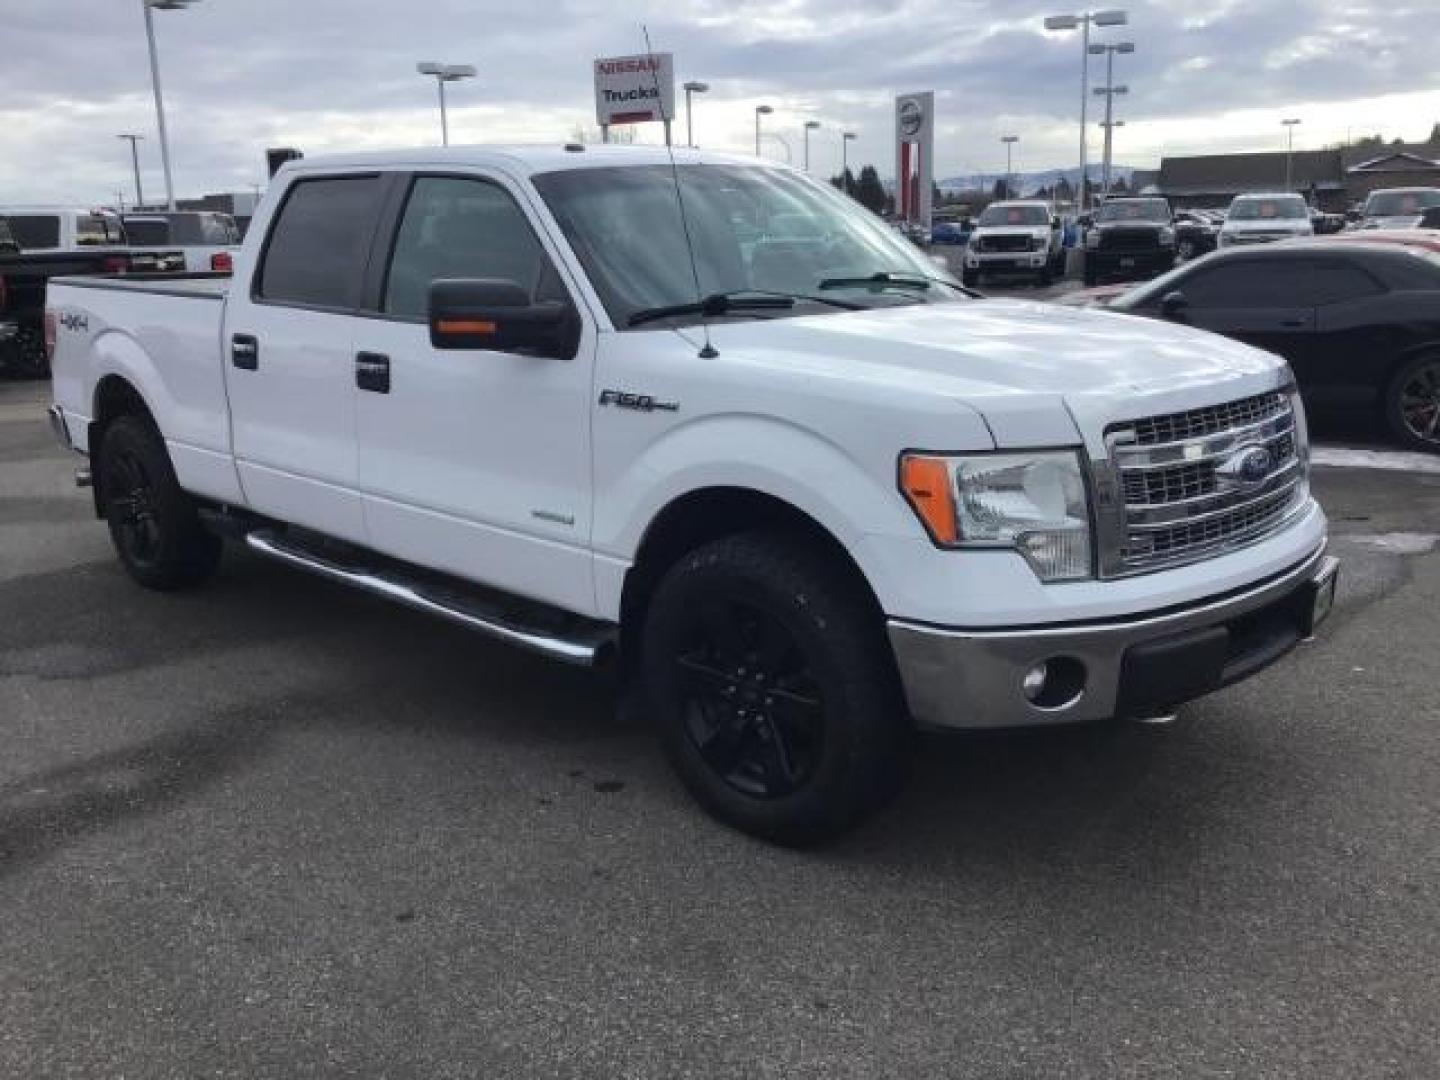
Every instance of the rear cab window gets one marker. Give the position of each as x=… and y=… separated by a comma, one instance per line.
x=316, y=250
x=34, y=232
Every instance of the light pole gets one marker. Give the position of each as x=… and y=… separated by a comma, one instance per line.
x=1109, y=90
x=162, y=5
x=810, y=125
x=1083, y=21
x=846, y=138
x=135, y=160
x=445, y=73
x=760, y=110
x=1289, y=149
x=1009, y=141
x=692, y=88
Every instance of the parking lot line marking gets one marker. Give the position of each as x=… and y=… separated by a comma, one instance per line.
x=1343, y=457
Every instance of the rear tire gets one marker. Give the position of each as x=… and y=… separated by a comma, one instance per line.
x=1412, y=404
x=769, y=676
x=153, y=523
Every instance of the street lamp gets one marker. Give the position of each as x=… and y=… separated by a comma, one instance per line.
x=161, y=5
x=1109, y=90
x=135, y=160
x=846, y=138
x=810, y=125
x=692, y=88
x=760, y=110
x=1009, y=141
x=1083, y=21
x=1289, y=149
x=445, y=73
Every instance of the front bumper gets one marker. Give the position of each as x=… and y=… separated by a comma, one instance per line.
x=1006, y=262
x=1139, y=666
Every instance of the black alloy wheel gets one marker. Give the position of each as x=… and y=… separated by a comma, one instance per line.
x=130, y=507
x=772, y=687
x=1414, y=404
x=751, y=704
x=154, y=524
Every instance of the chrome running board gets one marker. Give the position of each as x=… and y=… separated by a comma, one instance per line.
x=581, y=642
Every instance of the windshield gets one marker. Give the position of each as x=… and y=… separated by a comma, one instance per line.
x=1025, y=217
x=1268, y=209
x=33, y=231
x=1135, y=210
x=1401, y=203
x=753, y=229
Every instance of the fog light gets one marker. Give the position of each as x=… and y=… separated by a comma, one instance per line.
x=1034, y=682
x=1055, y=683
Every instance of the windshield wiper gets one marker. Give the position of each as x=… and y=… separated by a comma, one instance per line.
x=881, y=277
x=718, y=304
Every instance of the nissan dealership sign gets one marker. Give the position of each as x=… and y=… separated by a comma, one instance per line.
x=635, y=89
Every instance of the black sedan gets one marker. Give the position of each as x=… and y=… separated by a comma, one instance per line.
x=1358, y=322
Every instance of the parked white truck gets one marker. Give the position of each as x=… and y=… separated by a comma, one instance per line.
x=835, y=499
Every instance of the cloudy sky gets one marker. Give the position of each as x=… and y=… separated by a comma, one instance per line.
x=241, y=75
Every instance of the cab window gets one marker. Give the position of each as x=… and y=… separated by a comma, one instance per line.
x=456, y=227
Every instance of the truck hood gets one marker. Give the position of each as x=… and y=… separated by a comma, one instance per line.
x=1032, y=370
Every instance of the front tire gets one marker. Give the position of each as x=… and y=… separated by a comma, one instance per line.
x=153, y=523
x=769, y=676
x=1412, y=403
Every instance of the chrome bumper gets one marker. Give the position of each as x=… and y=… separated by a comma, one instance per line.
x=967, y=679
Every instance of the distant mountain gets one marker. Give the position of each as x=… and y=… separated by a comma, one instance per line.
x=1029, y=182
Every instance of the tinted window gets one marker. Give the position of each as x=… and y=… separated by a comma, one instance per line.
x=1334, y=282
x=1267, y=209
x=147, y=232
x=1022, y=216
x=34, y=230
x=317, y=247
x=456, y=228
x=1253, y=283
x=1401, y=203
x=1134, y=210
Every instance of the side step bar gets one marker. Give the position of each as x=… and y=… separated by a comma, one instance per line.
x=585, y=643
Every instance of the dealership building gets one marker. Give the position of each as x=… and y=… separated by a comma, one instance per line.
x=1333, y=179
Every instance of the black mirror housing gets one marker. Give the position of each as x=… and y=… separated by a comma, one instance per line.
x=494, y=314
x=1173, y=303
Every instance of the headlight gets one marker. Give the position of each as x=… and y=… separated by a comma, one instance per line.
x=1167, y=237
x=1092, y=238
x=1034, y=503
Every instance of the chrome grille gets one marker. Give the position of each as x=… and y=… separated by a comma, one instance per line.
x=1181, y=493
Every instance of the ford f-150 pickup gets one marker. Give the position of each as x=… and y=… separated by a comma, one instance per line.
x=809, y=495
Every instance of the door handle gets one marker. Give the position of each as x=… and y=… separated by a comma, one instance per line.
x=372, y=372
x=245, y=352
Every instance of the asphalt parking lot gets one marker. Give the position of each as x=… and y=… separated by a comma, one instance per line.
x=277, y=829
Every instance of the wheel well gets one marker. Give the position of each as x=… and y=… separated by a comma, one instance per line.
x=709, y=514
x=114, y=397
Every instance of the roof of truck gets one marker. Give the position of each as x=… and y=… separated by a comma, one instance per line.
x=527, y=159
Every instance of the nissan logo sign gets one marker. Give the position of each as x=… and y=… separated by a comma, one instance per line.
x=912, y=118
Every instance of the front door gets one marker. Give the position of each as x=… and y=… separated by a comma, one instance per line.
x=1262, y=301
x=288, y=355
x=474, y=461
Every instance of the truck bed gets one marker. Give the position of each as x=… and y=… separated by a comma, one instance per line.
x=199, y=286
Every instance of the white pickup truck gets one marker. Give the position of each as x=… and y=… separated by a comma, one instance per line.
x=836, y=499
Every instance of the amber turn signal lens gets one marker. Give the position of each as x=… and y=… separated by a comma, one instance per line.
x=926, y=484
x=466, y=326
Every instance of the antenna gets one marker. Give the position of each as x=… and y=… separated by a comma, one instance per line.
x=708, y=351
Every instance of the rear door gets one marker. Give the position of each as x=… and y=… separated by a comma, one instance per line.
x=474, y=461
x=289, y=355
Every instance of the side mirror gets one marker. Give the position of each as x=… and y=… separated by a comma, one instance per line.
x=488, y=313
x=1173, y=305
x=1054, y=223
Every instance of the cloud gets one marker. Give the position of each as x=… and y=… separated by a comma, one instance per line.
x=241, y=75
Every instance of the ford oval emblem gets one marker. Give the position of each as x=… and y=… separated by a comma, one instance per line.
x=1249, y=466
